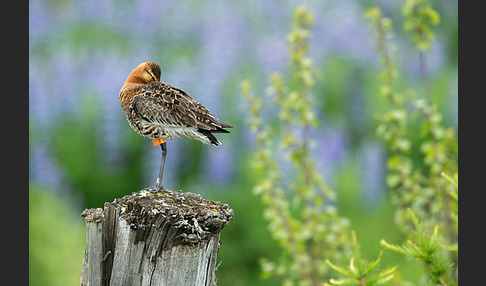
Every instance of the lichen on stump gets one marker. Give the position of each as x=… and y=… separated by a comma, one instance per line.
x=154, y=238
x=192, y=217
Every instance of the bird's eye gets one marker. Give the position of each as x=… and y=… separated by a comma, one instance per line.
x=152, y=76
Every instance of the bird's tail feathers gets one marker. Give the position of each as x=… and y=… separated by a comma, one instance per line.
x=224, y=125
x=221, y=130
x=213, y=140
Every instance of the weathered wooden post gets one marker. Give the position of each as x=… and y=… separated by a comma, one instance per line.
x=154, y=238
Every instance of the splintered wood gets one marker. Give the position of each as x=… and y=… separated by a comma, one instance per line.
x=154, y=238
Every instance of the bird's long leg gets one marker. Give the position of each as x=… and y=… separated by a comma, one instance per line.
x=158, y=185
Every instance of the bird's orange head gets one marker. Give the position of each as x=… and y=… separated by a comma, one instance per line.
x=146, y=72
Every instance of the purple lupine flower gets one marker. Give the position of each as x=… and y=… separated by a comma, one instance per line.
x=272, y=53
x=272, y=47
x=94, y=11
x=64, y=77
x=38, y=20
x=107, y=80
x=185, y=76
x=357, y=109
x=220, y=46
x=373, y=170
x=435, y=60
x=38, y=102
x=330, y=151
x=139, y=20
x=42, y=169
x=341, y=28
x=219, y=167
x=221, y=37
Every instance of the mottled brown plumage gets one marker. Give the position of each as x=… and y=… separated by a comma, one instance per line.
x=158, y=110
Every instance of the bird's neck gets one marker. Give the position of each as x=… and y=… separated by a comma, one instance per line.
x=125, y=92
x=131, y=84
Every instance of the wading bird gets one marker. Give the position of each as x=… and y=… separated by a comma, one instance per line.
x=159, y=111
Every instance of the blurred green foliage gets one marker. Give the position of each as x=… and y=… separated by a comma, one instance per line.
x=430, y=251
x=56, y=240
x=298, y=203
x=360, y=271
x=420, y=191
x=298, y=216
x=82, y=160
x=419, y=19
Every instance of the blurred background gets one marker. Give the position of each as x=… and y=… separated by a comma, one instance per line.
x=82, y=152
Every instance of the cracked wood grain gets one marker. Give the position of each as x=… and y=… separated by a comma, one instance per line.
x=154, y=238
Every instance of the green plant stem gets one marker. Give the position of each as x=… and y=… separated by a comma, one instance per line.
x=387, y=60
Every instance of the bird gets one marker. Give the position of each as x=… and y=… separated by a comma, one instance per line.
x=161, y=112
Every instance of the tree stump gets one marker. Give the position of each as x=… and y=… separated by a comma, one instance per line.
x=154, y=238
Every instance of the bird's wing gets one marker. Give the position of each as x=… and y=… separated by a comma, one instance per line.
x=160, y=103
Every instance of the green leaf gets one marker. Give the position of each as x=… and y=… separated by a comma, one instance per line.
x=337, y=268
x=394, y=247
x=288, y=140
x=344, y=281
x=372, y=265
x=386, y=275
x=373, y=14
x=453, y=181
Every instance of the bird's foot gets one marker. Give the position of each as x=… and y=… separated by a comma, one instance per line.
x=159, y=187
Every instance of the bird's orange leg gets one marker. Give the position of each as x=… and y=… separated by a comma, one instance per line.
x=158, y=141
